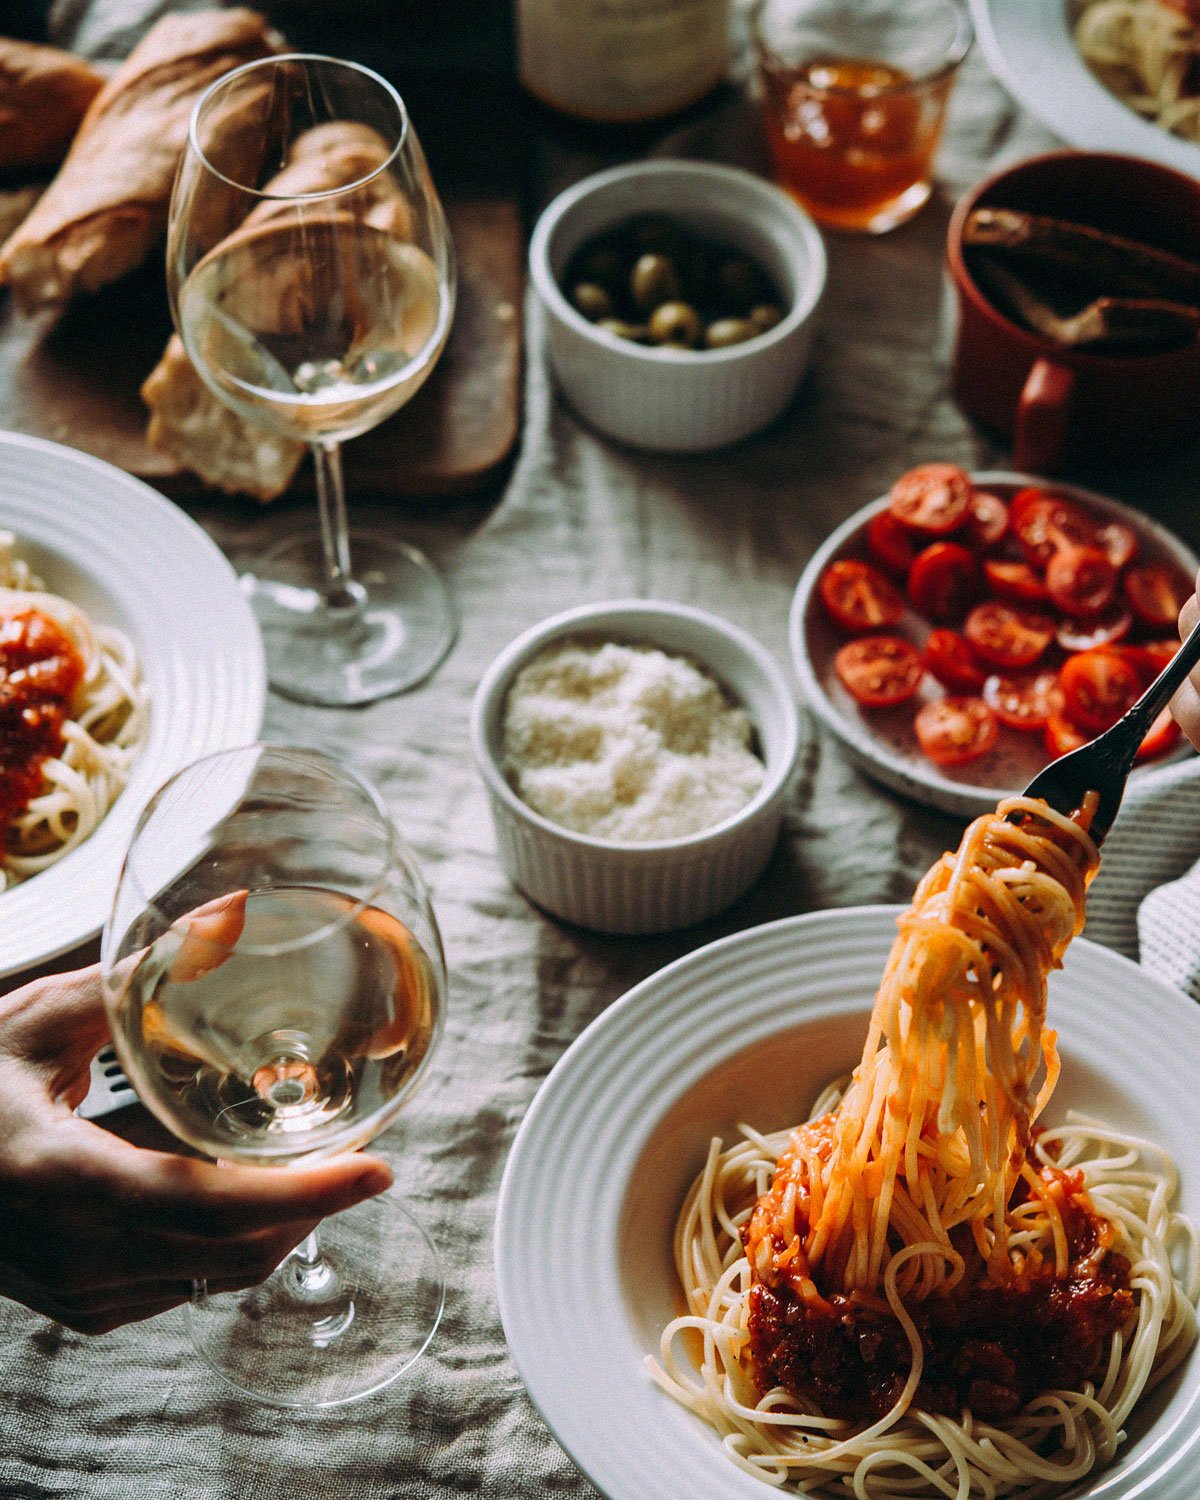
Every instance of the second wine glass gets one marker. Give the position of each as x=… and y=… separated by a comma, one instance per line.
x=275, y=986
x=312, y=281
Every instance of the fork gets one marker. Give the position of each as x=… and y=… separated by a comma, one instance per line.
x=1103, y=765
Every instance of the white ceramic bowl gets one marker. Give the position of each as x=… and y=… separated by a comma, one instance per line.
x=1030, y=46
x=752, y=1028
x=680, y=400
x=650, y=887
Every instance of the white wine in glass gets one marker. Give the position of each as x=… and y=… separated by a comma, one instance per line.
x=275, y=986
x=312, y=281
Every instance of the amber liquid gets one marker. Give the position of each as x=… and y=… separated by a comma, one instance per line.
x=853, y=139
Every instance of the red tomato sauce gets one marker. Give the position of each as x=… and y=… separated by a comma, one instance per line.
x=987, y=1348
x=40, y=670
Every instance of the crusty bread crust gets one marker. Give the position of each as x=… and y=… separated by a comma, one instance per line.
x=107, y=207
x=44, y=94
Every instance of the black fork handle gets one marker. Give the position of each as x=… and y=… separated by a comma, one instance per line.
x=1131, y=729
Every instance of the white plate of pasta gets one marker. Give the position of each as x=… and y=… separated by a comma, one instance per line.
x=127, y=629
x=639, y=1124
x=1136, y=91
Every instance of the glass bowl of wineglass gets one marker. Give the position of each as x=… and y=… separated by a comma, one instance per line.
x=312, y=281
x=275, y=986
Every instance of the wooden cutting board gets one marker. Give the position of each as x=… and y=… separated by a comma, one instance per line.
x=74, y=376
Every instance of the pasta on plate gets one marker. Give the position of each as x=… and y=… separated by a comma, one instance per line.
x=74, y=714
x=1147, y=52
x=922, y=1290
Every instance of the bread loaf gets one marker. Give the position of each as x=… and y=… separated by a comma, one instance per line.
x=107, y=207
x=44, y=93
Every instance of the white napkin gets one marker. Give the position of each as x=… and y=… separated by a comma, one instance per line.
x=1145, y=902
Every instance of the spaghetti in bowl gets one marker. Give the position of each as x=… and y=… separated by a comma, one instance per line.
x=752, y=1029
x=74, y=715
x=127, y=558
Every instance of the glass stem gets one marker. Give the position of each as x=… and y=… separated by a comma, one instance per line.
x=310, y=1272
x=340, y=594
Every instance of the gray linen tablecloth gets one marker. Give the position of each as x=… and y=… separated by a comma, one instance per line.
x=134, y=1414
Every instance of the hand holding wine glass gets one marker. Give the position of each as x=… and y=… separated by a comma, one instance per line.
x=98, y=1232
x=312, y=281
x=274, y=982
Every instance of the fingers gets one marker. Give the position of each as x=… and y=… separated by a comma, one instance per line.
x=1186, y=708
x=156, y=1190
x=41, y=1019
x=209, y=933
x=1188, y=616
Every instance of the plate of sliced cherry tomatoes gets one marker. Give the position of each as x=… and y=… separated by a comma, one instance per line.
x=965, y=630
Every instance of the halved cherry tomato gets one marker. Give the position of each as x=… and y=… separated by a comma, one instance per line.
x=987, y=520
x=1061, y=735
x=1007, y=637
x=1148, y=659
x=890, y=544
x=1081, y=580
x=1119, y=541
x=1022, y=500
x=859, y=597
x=1105, y=630
x=1048, y=523
x=1014, y=580
x=948, y=657
x=879, y=671
x=1098, y=687
x=933, y=498
x=1022, y=702
x=1160, y=653
x=943, y=581
x=1157, y=593
x=952, y=731
x=1163, y=735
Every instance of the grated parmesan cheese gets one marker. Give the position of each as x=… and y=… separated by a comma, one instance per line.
x=626, y=743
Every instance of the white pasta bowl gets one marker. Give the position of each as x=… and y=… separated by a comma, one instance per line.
x=620, y=887
x=680, y=400
x=751, y=1028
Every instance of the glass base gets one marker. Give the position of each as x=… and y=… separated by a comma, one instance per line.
x=398, y=627
x=322, y=1336
x=877, y=219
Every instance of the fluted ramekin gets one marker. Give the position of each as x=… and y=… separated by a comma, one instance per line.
x=680, y=400
x=617, y=887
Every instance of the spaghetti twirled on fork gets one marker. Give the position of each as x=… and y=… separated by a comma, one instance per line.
x=921, y=1290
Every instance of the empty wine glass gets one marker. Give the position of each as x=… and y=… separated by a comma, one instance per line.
x=311, y=278
x=275, y=985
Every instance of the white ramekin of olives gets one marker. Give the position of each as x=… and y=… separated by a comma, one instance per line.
x=679, y=300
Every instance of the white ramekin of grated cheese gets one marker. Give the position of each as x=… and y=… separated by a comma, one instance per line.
x=641, y=881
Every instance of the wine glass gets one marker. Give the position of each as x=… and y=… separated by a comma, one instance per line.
x=311, y=277
x=275, y=985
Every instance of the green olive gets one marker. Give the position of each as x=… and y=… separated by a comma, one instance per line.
x=604, y=266
x=592, y=300
x=677, y=324
x=727, y=331
x=653, y=282
x=765, y=316
x=738, y=285
x=635, y=332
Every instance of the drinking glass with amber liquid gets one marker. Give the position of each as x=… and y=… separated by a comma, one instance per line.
x=854, y=96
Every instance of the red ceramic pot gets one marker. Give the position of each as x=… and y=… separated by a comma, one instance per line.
x=1063, y=406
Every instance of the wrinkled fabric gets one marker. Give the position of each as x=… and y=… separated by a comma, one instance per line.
x=134, y=1414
